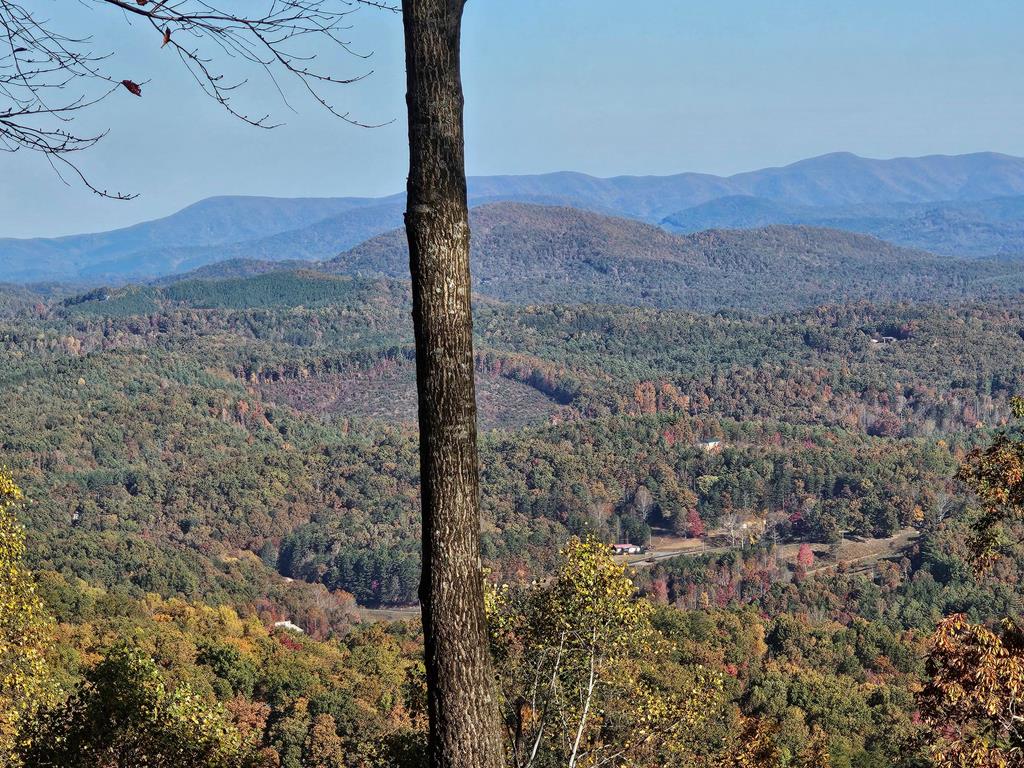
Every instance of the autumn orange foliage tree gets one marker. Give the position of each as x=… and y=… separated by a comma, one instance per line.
x=975, y=700
x=758, y=748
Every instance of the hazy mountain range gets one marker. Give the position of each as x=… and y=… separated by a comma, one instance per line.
x=955, y=228
x=970, y=205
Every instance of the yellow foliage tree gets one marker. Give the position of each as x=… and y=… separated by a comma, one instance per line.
x=124, y=715
x=996, y=475
x=23, y=628
x=581, y=671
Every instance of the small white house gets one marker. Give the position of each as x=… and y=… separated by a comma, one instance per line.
x=626, y=549
x=289, y=626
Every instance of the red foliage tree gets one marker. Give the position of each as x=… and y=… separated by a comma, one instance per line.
x=805, y=556
x=659, y=590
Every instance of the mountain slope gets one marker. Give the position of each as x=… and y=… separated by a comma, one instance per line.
x=540, y=254
x=836, y=179
x=955, y=228
x=843, y=178
x=311, y=242
x=211, y=222
x=230, y=269
x=278, y=229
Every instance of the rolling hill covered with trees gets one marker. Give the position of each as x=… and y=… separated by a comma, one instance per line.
x=303, y=376
x=528, y=253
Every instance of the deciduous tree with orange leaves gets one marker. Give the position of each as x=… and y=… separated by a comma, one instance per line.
x=975, y=700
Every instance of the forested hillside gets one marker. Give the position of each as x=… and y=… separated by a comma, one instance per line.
x=205, y=458
x=209, y=419
x=528, y=253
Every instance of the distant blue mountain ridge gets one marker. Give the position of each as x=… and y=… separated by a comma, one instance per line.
x=964, y=205
x=973, y=228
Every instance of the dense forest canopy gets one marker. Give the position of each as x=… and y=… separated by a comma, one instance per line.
x=245, y=448
x=258, y=425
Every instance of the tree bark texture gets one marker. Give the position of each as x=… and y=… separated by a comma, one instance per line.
x=465, y=730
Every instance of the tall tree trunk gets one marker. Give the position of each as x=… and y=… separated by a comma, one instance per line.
x=464, y=721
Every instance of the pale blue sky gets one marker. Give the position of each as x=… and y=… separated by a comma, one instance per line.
x=636, y=87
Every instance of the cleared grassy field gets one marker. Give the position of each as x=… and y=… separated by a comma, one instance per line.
x=390, y=394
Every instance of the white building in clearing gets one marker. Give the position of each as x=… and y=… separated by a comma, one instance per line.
x=626, y=549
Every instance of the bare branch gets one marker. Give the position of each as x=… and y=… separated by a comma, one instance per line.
x=47, y=76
